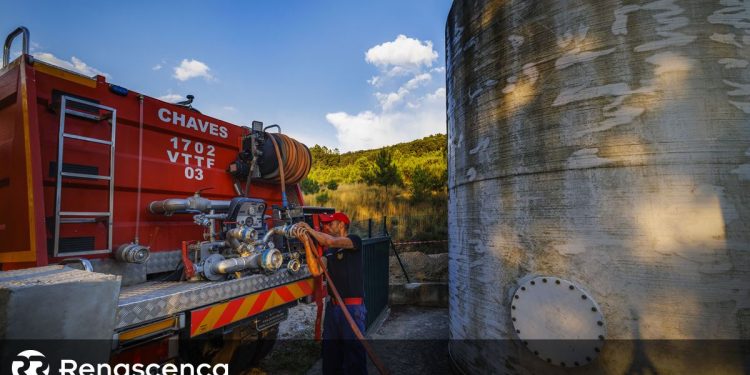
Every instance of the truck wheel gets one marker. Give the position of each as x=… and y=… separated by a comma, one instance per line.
x=265, y=343
x=238, y=349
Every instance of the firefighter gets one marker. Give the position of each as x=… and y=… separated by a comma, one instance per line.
x=342, y=353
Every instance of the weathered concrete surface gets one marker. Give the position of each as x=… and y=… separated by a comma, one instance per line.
x=421, y=267
x=609, y=144
x=419, y=294
x=58, y=303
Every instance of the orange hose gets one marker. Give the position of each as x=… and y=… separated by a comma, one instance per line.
x=312, y=260
x=281, y=168
x=294, y=160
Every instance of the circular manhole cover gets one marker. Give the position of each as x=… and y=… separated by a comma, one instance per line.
x=558, y=321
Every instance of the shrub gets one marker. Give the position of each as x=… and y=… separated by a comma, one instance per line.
x=309, y=186
x=322, y=198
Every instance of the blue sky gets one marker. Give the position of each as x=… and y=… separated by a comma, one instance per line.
x=345, y=74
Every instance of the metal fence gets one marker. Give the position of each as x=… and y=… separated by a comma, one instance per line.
x=403, y=228
x=424, y=233
x=375, y=254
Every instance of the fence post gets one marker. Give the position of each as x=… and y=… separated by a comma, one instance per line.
x=385, y=230
x=369, y=228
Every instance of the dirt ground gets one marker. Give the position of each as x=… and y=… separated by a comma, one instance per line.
x=413, y=340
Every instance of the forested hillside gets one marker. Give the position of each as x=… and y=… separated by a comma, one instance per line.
x=405, y=182
x=352, y=167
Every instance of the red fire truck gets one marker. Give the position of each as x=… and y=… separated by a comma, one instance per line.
x=188, y=216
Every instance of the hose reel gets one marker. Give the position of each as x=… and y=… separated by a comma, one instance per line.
x=259, y=160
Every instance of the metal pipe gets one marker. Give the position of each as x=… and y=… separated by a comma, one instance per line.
x=280, y=230
x=9, y=39
x=233, y=243
x=174, y=205
x=244, y=234
x=269, y=259
x=140, y=169
x=236, y=264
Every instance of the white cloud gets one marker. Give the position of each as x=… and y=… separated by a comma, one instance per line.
x=229, y=108
x=156, y=67
x=192, y=69
x=388, y=101
x=75, y=64
x=368, y=130
x=404, y=52
x=417, y=81
x=415, y=106
x=375, y=81
x=391, y=100
x=171, y=98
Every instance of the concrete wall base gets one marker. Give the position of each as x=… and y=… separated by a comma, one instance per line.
x=419, y=294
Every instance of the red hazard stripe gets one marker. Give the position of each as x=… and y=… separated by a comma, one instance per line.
x=196, y=317
x=305, y=286
x=228, y=314
x=260, y=302
x=285, y=294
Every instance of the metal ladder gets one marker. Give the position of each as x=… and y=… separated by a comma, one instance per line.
x=71, y=217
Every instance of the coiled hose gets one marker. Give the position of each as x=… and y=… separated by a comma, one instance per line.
x=294, y=160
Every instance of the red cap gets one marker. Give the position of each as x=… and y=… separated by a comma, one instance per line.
x=340, y=216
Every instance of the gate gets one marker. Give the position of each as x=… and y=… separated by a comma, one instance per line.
x=375, y=253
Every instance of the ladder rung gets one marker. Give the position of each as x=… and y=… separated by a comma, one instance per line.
x=83, y=114
x=83, y=252
x=77, y=213
x=87, y=139
x=84, y=175
x=77, y=221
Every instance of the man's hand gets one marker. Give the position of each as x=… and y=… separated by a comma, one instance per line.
x=300, y=228
x=325, y=239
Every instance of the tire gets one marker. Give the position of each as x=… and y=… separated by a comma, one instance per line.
x=242, y=348
x=265, y=344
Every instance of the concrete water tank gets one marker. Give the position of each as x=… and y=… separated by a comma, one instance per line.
x=601, y=149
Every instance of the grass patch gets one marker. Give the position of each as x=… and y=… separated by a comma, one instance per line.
x=406, y=220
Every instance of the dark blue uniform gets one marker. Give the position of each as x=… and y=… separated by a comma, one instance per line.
x=342, y=353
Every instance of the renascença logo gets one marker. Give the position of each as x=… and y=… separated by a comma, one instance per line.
x=30, y=362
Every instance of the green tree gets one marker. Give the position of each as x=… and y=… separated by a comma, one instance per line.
x=421, y=184
x=309, y=186
x=322, y=198
x=332, y=185
x=384, y=171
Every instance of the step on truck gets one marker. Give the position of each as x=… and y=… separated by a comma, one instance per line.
x=147, y=227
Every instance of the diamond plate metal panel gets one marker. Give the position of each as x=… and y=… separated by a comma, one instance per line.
x=154, y=300
x=162, y=261
x=132, y=274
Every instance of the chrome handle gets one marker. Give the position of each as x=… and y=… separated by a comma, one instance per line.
x=9, y=39
x=84, y=262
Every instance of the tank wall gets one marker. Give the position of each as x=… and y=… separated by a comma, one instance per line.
x=608, y=144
